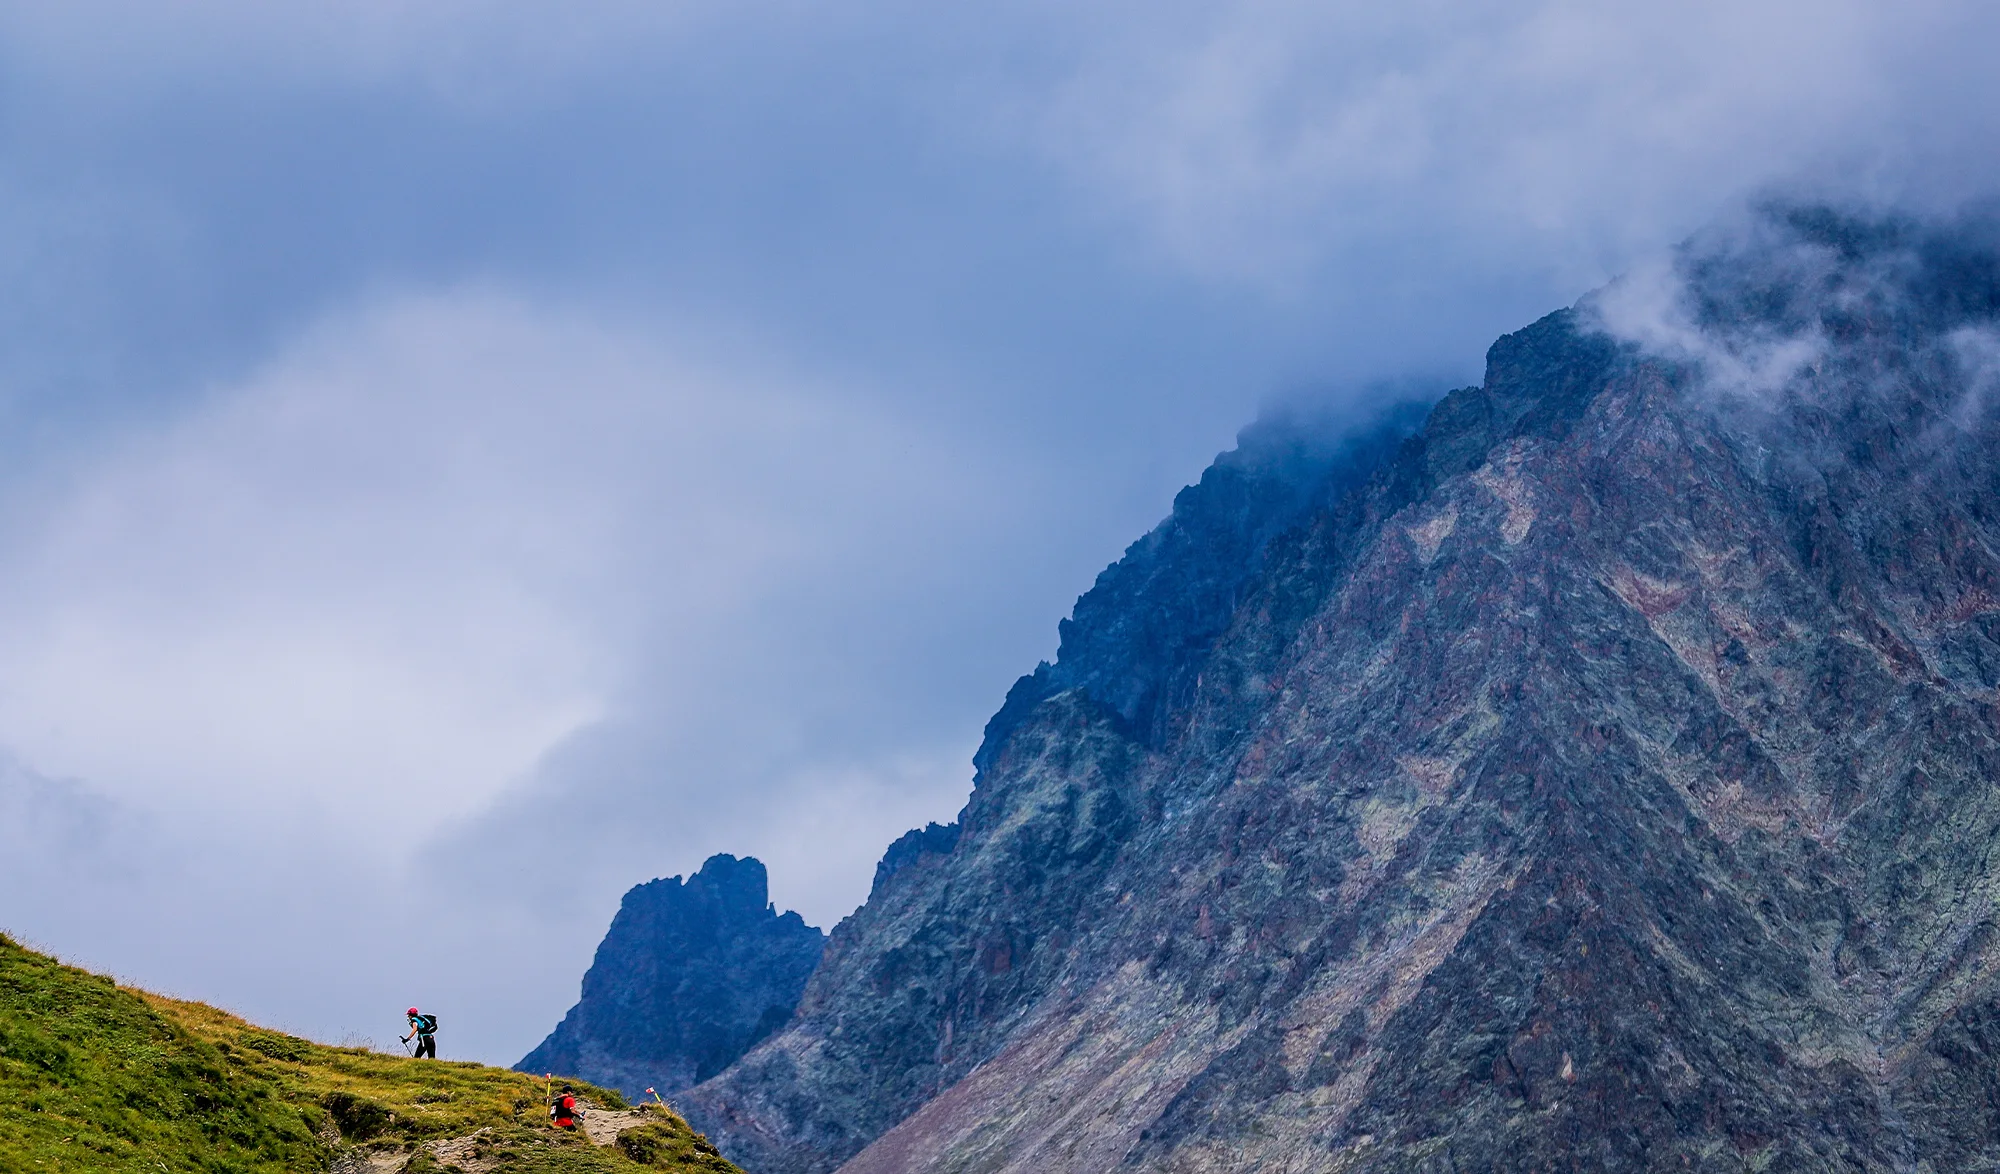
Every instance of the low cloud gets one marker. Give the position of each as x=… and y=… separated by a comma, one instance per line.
x=1975, y=353
x=1654, y=308
x=1801, y=320
x=1260, y=138
x=482, y=609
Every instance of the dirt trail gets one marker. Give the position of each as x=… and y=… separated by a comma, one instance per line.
x=600, y=1126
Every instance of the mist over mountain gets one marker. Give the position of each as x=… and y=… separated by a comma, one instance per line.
x=1600, y=777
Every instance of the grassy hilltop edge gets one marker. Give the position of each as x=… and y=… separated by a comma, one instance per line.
x=100, y=1077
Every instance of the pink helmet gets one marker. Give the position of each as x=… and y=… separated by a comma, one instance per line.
x=413, y=1010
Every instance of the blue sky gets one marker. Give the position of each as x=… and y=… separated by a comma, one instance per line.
x=461, y=460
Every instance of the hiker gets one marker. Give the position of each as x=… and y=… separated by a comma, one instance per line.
x=424, y=1028
x=563, y=1112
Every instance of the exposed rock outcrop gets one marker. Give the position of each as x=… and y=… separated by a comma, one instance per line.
x=1602, y=779
x=689, y=977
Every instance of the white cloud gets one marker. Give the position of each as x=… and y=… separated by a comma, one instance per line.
x=392, y=569
x=467, y=601
x=1975, y=351
x=1651, y=306
x=1263, y=137
x=1254, y=140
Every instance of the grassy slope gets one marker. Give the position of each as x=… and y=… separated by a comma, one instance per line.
x=94, y=1076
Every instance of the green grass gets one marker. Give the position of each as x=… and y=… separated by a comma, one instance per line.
x=670, y=1145
x=99, y=1077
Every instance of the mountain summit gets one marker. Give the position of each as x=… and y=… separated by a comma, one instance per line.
x=1602, y=777
x=691, y=974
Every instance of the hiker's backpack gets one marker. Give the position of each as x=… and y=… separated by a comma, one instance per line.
x=427, y=1024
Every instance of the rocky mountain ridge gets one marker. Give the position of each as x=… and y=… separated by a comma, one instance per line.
x=690, y=975
x=1601, y=778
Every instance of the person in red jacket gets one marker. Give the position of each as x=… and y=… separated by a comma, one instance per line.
x=563, y=1113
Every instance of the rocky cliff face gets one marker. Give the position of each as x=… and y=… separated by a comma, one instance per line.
x=1138, y=639
x=1602, y=778
x=689, y=977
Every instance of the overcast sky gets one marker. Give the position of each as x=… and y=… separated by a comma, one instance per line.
x=458, y=461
